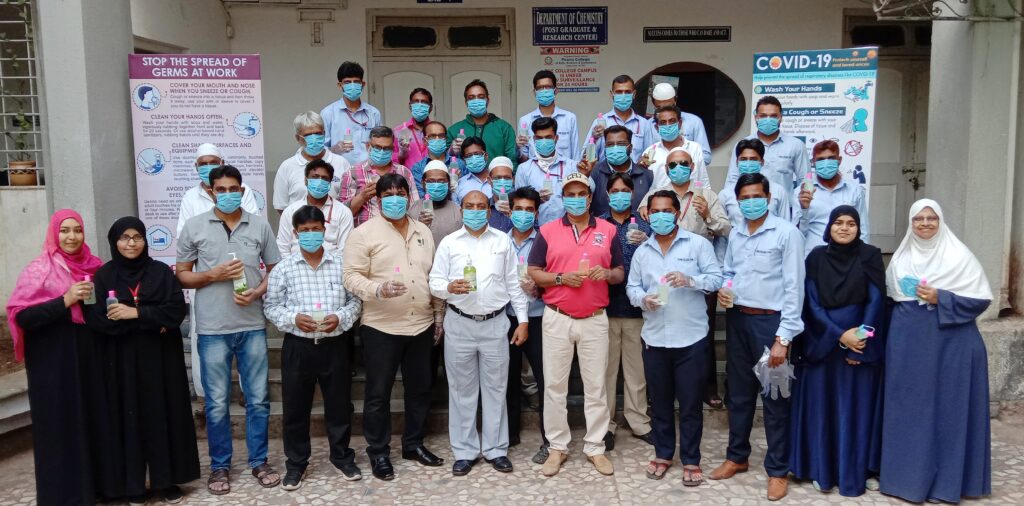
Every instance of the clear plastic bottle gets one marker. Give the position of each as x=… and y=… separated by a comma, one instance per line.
x=631, y=230
x=600, y=123
x=729, y=293
x=348, y=136
x=91, y=299
x=808, y=185
x=584, y=263
x=864, y=332
x=319, y=315
x=111, y=298
x=428, y=205
x=523, y=131
x=240, y=284
x=548, y=184
x=469, y=274
x=462, y=135
x=522, y=267
x=591, y=152
x=453, y=169
x=663, y=288
x=404, y=136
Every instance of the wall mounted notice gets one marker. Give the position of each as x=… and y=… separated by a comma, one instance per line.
x=825, y=94
x=575, y=67
x=570, y=26
x=687, y=34
x=179, y=102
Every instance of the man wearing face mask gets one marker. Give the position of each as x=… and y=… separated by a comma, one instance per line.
x=749, y=155
x=501, y=186
x=664, y=95
x=435, y=134
x=498, y=136
x=830, y=190
x=290, y=183
x=618, y=143
x=668, y=129
x=307, y=303
x=765, y=262
x=200, y=198
x=477, y=176
x=622, y=114
x=574, y=260
x=358, y=186
x=350, y=120
x=443, y=215
x=337, y=216
x=546, y=170
x=476, y=354
x=785, y=156
x=412, y=144
x=545, y=87
x=387, y=263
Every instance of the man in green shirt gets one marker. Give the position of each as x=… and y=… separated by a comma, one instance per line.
x=499, y=136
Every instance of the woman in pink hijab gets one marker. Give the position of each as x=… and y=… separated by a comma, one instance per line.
x=72, y=417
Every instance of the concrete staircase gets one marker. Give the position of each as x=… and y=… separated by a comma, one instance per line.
x=14, y=410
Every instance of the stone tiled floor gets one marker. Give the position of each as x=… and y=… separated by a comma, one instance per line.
x=578, y=483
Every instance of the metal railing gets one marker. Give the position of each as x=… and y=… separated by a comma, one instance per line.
x=20, y=118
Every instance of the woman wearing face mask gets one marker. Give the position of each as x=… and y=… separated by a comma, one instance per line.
x=836, y=396
x=73, y=427
x=158, y=433
x=936, y=419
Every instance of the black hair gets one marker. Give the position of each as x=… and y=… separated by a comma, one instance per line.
x=669, y=108
x=319, y=163
x=424, y=91
x=472, y=141
x=225, y=171
x=768, y=100
x=615, y=129
x=754, y=144
x=664, y=193
x=391, y=180
x=382, y=131
x=435, y=122
x=749, y=179
x=624, y=78
x=545, y=74
x=619, y=176
x=544, y=123
x=525, y=192
x=350, y=69
x=306, y=214
x=475, y=82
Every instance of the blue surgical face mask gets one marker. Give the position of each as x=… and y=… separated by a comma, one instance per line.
x=908, y=285
x=501, y=185
x=477, y=107
x=545, y=147
x=545, y=97
x=754, y=208
x=314, y=144
x=522, y=220
x=204, y=172
x=394, y=207
x=229, y=202
x=437, y=191
x=474, y=219
x=620, y=201
x=352, y=91
x=311, y=241
x=768, y=126
x=575, y=206
x=622, y=101
x=616, y=155
x=748, y=166
x=318, y=188
x=679, y=174
x=826, y=169
x=669, y=133
x=380, y=157
x=437, y=146
x=475, y=163
x=420, y=111
x=663, y=223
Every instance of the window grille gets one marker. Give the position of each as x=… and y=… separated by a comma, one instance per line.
x=20, y=118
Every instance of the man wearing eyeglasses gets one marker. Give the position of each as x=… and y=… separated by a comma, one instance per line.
x=813, y=206
x=436, y=137
x=618, y=142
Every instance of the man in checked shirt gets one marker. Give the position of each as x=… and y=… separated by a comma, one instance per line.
x=307, y=301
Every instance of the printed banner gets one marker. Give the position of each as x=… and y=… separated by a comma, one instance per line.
x=574, y=66
x=178, y=103
x=570, y=26
x=825, y=94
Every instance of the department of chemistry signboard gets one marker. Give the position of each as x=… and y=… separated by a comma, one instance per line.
x=570, y=26
x=687, y=33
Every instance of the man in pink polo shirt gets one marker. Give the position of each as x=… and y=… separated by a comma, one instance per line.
x=574, y=260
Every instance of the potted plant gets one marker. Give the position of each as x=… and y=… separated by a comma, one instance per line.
x=21, y=168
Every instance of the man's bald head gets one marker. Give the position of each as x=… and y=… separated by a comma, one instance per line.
x=475, y=200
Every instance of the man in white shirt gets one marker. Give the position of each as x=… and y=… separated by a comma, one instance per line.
x=693, y=127
x=338, y=217
x=290, y=181
x=669, y=126
x=199, y=199
x=475, y=271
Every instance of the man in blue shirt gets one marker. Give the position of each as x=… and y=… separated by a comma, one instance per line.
x=348, y=121
x=546, y=170
x=545, y=87
x=623, y=91
x=477, y=176
x=436, y=136
x=785, y=157
x=664, y=95
x=814, y=206
x=674, y=330
x=765, y=263
x=618, y=141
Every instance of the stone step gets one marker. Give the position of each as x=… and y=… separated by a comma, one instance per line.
x=14, y=408
x=358, y=386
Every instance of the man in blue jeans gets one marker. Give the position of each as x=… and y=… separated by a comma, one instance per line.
x=219, y=255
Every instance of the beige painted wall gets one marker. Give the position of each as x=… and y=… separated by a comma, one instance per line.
x=22, y=229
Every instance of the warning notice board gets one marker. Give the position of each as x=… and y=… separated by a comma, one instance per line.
x=575, y=67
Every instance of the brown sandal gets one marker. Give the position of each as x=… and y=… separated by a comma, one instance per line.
x=218, y=476
x=262, y=471
x=688, y=476
x=660, y=468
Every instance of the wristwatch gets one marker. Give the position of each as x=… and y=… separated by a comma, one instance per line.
x=783, y=342
x=558, y=279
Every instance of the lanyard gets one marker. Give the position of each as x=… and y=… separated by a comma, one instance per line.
x=548, y=172
x=329, y=211
x=135, y=293
x=616, y=120
x=354, y=120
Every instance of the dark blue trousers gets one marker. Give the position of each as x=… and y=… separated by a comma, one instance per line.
x=676, y=374
x=532, y=350
x=746, y=337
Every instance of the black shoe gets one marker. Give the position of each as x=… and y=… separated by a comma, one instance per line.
x=173, y=494
x=609, y=441
x=647, y=438
x=501, y=464
x=137, y=499
x=541, y=456
x=513, y=441
x=463, y=467
x=382, y=468
x=350, y=472
x=293, y=479
x=423, y=456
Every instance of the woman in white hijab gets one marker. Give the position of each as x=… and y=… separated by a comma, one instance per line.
x=935, y=431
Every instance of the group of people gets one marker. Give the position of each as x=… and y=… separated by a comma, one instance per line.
x=480, y=245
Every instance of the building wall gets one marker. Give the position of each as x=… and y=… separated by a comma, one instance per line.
x=198, y=26
x=22, y=230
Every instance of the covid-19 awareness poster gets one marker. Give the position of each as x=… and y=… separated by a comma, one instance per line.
x=180, y=101
x=825, y=94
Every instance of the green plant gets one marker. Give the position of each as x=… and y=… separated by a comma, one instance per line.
x=15, y=90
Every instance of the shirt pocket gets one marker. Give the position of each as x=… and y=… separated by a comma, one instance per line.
x=247, y=250
x=686, y=264
x=763, y=263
